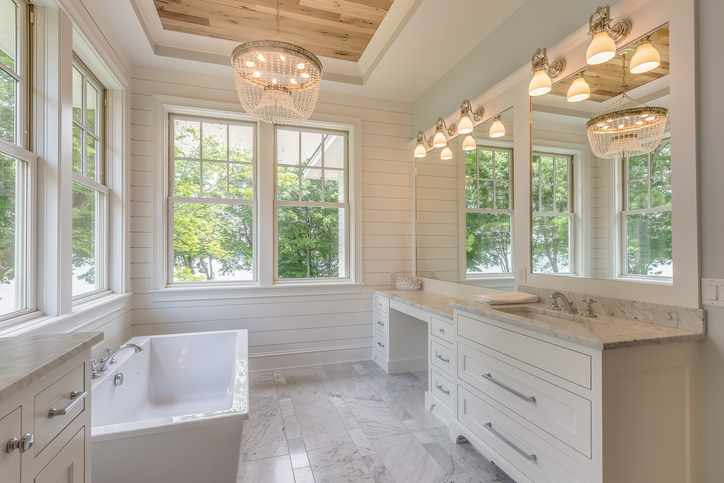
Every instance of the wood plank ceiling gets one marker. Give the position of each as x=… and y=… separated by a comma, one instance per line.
x=339, y=29
x=606, y=80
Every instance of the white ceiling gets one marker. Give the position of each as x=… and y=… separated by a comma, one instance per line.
x=418, y=42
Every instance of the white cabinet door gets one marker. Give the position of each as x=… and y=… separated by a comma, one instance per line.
x=10, y=462
x=68, y=466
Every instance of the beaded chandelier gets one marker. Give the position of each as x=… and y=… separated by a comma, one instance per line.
x=276, y=80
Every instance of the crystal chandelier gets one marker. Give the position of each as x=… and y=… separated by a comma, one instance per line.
x=626, y=132
x=277, y=81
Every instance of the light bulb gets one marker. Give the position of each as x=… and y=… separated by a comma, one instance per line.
x=439, y=140
x=420, y=151
x=274, y=81
x=301, y=65
x=602, y=49
x=465, y=126
x=293, y=80
x=305, y=75
x=540, y=84
x=446, y=153
x=282, y=57
x=579, y=90
x=249, y=63
x=645, y=58
x=261, y=57
x=257, y=74
x=497, y=129
x=469, y=143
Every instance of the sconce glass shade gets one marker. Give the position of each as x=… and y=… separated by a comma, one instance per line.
x=420, y=151
x=439, y=140
x=579, y=90
x=540, y=84
x=469, y=143
x=446, y=153
x=465, y=126
x=602, y=49
x=645, y=58
x=497, y=129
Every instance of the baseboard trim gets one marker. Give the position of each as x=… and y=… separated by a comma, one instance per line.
x=308, y=357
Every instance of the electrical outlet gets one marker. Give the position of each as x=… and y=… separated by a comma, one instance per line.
x=432, y=275
x=393, y=277
x=520, y=278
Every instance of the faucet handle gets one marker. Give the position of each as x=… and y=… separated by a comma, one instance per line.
x=589, y=311
x=554, y=301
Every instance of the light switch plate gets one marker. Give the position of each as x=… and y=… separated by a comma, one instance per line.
x=393, y=277
x=520, y=275
x=712, y=292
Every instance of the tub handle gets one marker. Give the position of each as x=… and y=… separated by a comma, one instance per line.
x=75, y=397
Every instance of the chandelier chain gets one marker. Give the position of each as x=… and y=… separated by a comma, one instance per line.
x=277, y=17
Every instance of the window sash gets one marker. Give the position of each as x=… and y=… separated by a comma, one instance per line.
x=20, y=74
x=101, y=236
x=99, y=136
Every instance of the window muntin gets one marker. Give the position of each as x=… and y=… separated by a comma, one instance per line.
x=13, y=235
x=551, y=197
x=488, y=213
x=212, y=200
x=311, y=204
x=647, y=233
x=89, y=202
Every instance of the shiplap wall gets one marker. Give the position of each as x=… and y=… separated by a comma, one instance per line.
x=599, y=218
x=283, y=331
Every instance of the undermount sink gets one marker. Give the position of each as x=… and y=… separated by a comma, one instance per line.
x=532, y=314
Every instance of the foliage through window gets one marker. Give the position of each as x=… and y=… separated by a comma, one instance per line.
x=212, y=200
x=647, y=213
x=89, y=191
x=488, y=211
x=552, y=213
x=312, y=208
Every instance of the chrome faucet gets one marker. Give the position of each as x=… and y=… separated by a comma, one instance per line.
x=99, y=366
x=589, y=312
x=569, y=307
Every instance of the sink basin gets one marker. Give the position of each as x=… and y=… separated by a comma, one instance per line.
x=530, y=313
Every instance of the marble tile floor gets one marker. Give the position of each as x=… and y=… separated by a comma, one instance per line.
x=351, y=423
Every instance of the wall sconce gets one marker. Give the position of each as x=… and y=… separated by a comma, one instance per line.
x=438, y=141
x=469, y=143
x=543, y=72
x=420, y=150
x=446, y=153
x=579, y=90
x=497, y=129
x=605, y=36
x=645, y=58
x=465, y=126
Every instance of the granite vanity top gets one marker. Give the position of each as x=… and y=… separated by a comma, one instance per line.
x=26, y=358
x=605, y=332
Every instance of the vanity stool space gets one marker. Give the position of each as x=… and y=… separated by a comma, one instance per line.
x=45, y=422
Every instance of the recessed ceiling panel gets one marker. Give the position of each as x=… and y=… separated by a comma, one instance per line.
x=339, y=29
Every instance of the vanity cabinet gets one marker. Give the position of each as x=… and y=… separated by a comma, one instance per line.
x=399, y=335
x=60, y=449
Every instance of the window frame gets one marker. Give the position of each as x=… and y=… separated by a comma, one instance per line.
x=494, y=147
x=21, y=74
x=346, y=206
x=170, y=199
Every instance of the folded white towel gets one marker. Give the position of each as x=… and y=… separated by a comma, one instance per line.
x=507, y=298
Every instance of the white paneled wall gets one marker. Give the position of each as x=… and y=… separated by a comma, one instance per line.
x=283, y=330
x=599, y=216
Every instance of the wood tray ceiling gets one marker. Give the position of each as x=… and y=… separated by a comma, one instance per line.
x=606, y=80
x=340, y=29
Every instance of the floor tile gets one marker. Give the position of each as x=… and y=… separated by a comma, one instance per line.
x=321, y=426
x=297, y=453
x=377, y=469
x=304, y=475
x=303, y=386
x=413, y=401
x=360, y=440
x=276, y=470
x=375, y=418
x=287, y=407
x=339, y=464
x=263, y=433
x=407, y=460
x=291, y=427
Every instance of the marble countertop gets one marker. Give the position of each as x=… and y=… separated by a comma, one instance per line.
x=603, y=333
x=435, y=303
x=26, y=358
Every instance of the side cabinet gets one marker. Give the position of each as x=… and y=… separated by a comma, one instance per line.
x=45, y=428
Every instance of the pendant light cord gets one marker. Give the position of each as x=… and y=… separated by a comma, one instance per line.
x=277, y=17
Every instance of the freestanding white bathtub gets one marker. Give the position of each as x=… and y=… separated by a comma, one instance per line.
x=178, y=415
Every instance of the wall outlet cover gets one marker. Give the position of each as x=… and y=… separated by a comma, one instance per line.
x=393, y=277
x=521, y=275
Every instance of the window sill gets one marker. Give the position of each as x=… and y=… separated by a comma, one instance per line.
x=178, y=294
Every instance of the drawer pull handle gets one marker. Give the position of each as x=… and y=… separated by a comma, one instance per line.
x=75, y=397
x=381, y=344
x=12, y=445
x=442, y=389
x=529, y=457
x=446, y=361
x=442, y=331
x=26, y=442
x=380, y=323
x=508, y=388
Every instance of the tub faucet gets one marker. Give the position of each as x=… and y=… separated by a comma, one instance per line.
x=103, y=364
x=569, y=307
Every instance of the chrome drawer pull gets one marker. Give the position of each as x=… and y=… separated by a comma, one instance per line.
x=75, y=397
x=380, y=323
x=529, y=457
x=442, y=389
x=12, y=445
x=446, y=361
x=520, y=395
x=380, y=344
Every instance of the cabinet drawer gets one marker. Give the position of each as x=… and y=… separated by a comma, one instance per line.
x=442, y=329
x=381, y=344
x=442, y=357
x=530, y=454
x=565, y=363
x=381, y=303
x=382, y=322
x=57, y=396
x=560, y=413
x=443, y=388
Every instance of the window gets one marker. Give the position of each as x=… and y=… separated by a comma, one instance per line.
x=212, y=200
x=312, y=206
x=15, y=160
x=488, y=213
x=89, y=191
x=552, y=213
x=647, y=213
